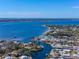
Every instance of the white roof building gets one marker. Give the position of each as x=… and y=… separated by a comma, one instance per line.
x=43, y=39
x=24, y=57
x=8, y=57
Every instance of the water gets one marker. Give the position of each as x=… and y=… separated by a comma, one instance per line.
x=24, y=31
x=27, y=30
x=43, y=53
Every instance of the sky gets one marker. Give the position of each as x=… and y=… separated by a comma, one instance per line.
x=39, y=8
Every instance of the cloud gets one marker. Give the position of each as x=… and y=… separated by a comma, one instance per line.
x=20, y=14
x=77, y=7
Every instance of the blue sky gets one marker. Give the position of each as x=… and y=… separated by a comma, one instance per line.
x=39, y=8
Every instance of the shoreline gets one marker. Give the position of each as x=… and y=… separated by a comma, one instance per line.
x=63, y=41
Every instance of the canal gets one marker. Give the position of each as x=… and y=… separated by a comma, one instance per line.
x=43, y=53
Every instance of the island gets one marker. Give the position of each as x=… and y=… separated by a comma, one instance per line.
x=10, y=49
